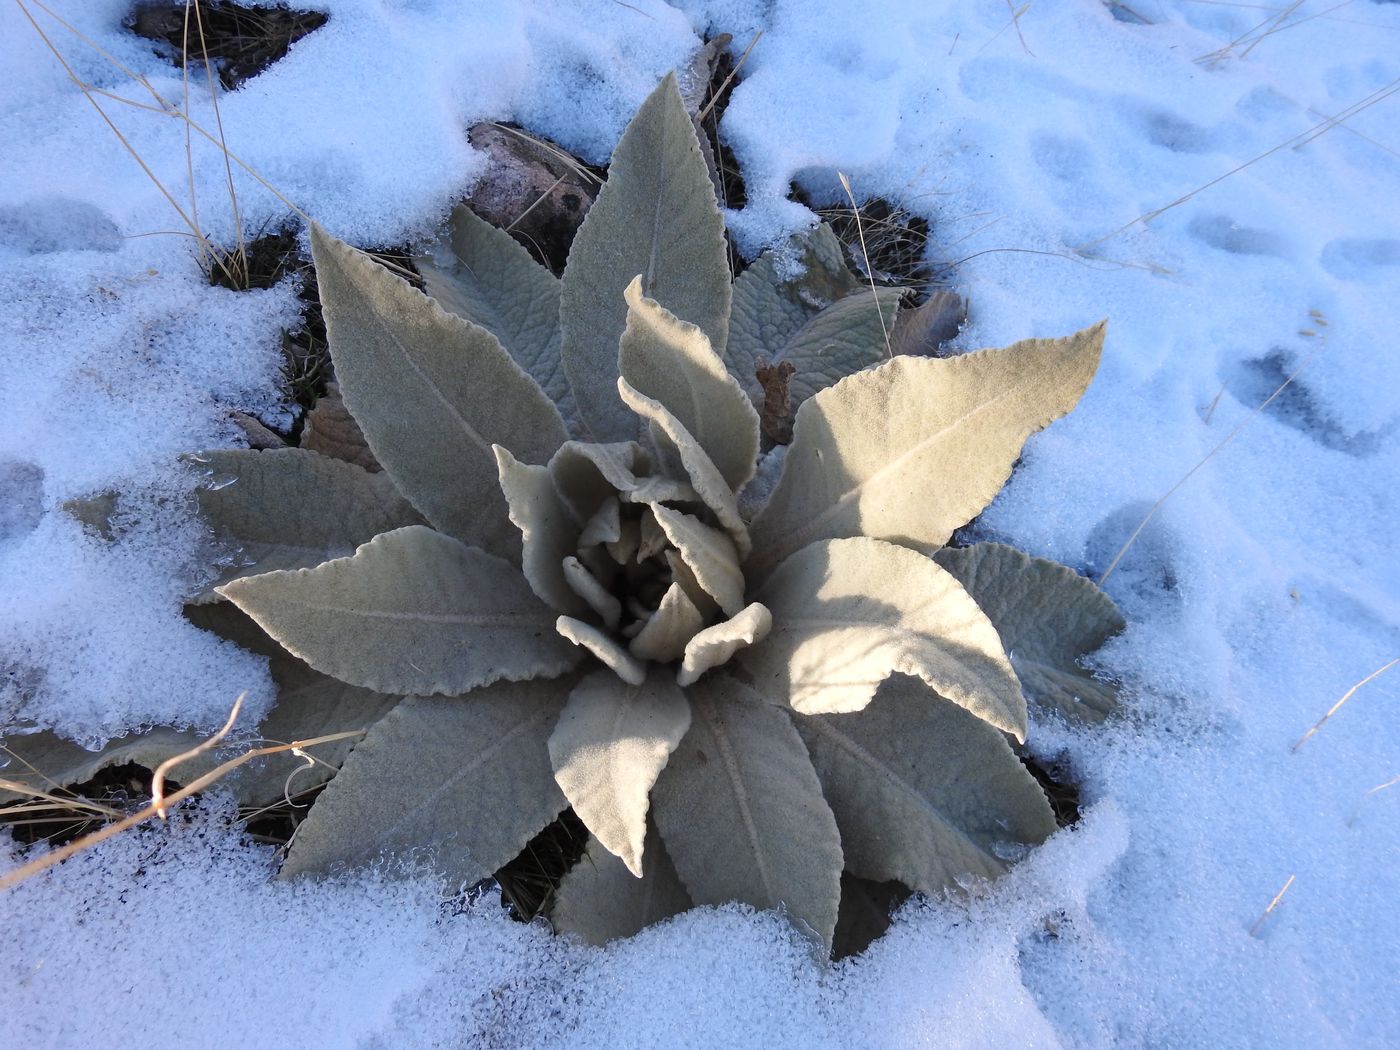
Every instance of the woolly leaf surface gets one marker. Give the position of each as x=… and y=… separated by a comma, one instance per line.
x=923, y=791
x=672, y=436
x=709, y=553
x=771, y=302
x=715, y=645
x=671, y=361
x=612, y=741
x=914, y=448
x=547, y=530
x=481, y=274
x=1049, y=617
x=290, y=508
x=432, y=394
x=599, y=900
x=847, y=613
x=605, y=647
x=467, y=776
x=741, y=811
x=666, y=633
x=412, y=611
x=656, y=216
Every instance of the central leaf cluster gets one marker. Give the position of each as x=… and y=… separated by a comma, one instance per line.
x=638, y=552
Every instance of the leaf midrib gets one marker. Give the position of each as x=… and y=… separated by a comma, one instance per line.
x=737, y=785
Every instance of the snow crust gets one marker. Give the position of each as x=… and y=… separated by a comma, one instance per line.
x=1259, y=592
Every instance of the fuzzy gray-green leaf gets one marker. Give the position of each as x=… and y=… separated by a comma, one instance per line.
x=776, y=296
x=847, y=613
x=587, y=475
x=914, y=448
x=413, y=611
x=548, y=530
x=671, y=361
x=741, y=811
x=599, y=900
x=713, y=646
x=480, y=273
x=924, y=792
x=612, y=741
x=45, y=761
x=468, y=776
x=309, y=704
x=432, y=394
x=289, y=508
x=605, y=647
x=673, y=437
x=1049, y=617
x=656, y=216
x=709, y=553
x=667, y=632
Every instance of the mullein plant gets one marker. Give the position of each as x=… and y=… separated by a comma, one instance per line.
x=572, y=586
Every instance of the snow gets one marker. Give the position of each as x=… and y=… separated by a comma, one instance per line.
x=1259, y=592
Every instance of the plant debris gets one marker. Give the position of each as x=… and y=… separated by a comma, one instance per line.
x=240, y=42
x=894, y=237
x=533, y=189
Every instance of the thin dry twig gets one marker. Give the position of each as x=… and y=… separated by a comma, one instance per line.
x=869, y=265
x=241, y=252
x=158, y=775
x=715, y=97
x=1338, y=705
x=1254, y=930
x=152, y=809
x=58, y=802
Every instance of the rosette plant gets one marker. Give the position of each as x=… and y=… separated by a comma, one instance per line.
x=570, y=576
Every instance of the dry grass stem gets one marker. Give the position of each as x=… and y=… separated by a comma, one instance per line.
x=158, y=775
x=719, y=92
x=1206, y=459
x=869, y=263
x=1338, y=705
x=1301, y=139
x=156, y=808
x=1254, y=930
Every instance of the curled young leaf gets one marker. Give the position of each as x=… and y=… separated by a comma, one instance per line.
x=413, y=611
x=671, y=362
x=587, y=475
x=665, y=634
x=709, y=553
x=612, y=741
x=548, y=530
x=604, y=647
x=910, y=450
x=671, y=436
x=715, y=645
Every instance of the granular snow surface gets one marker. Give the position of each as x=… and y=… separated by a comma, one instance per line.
x=1217, y=179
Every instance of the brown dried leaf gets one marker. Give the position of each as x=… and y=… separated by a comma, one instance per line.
x=332, y=431
x=923, y=331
